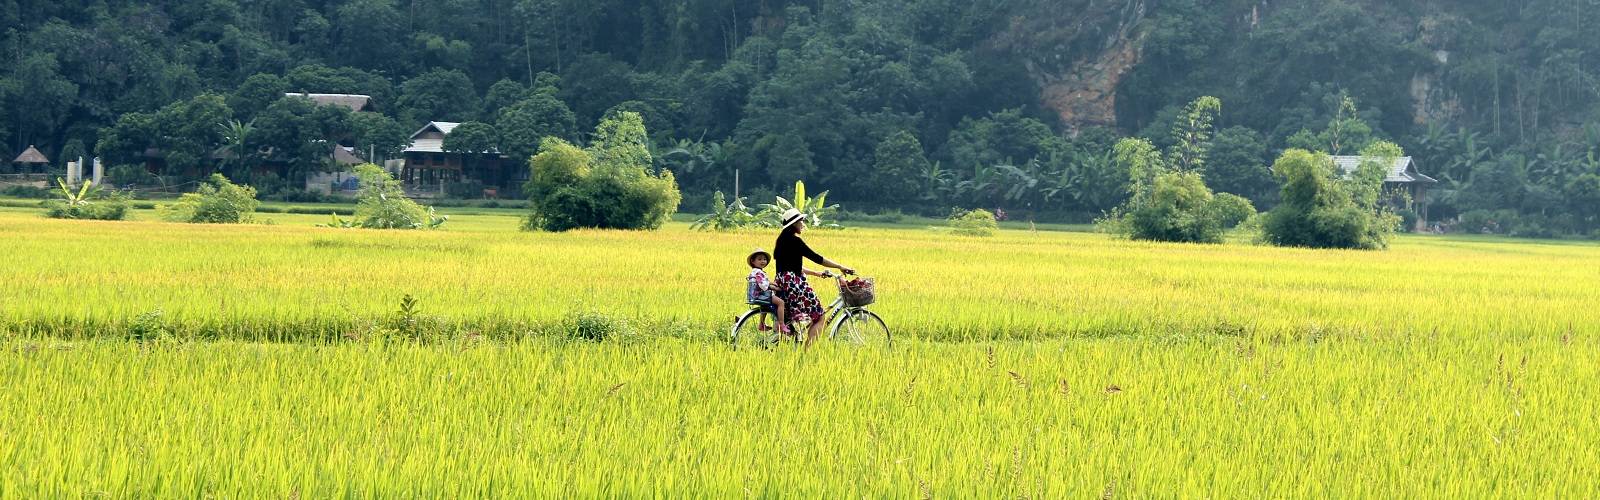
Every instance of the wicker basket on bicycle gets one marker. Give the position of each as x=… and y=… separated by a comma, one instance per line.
x=858, y=292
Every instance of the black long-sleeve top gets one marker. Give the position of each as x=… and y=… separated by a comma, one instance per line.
x=788, y=252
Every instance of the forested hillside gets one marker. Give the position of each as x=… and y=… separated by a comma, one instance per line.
x=920, y=104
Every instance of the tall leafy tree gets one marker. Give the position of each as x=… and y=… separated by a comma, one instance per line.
x=378, y=135
x=527, y=123
x=1237, y=164
x=898, y=160
x=40, y=96
x=1192, y=134
x=439, y=95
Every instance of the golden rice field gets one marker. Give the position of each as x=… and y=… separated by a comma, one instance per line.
x=1031, y=364
x=1047, y=419
x=291, y=281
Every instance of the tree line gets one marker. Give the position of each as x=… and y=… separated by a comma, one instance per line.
x=920, y=105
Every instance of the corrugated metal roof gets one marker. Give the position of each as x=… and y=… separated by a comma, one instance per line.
x=356, y=102
x=1404, y=169
x=426, y=146
x=31, y=155
x=430, y=145
x=442, y=127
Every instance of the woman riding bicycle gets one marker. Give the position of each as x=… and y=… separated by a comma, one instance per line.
x=787, y=254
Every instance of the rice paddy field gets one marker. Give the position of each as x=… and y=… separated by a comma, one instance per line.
x=146, y=359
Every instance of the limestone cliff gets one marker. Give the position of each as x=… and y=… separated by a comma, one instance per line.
x=1078, y=51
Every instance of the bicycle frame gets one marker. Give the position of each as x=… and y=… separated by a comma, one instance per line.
x=830, y=316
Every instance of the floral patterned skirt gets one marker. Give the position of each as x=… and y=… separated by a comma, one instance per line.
x=798, y=297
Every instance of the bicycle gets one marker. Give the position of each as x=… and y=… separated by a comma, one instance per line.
x=847, y=323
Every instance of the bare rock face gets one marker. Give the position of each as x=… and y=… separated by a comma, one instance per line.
x=1078, y=52
x=1431, y=101
x=1087, y=95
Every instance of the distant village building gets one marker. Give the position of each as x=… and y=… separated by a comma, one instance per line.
x=1403, y=178
x=355, y=102
x=429, y=169
x=31, y=160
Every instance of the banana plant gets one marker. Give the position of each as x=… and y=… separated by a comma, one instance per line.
x=936, y=182
x=78, y=199
x=818, y=213
x=726, y=216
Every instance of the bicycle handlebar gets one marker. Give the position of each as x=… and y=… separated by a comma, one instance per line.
x=841, y=275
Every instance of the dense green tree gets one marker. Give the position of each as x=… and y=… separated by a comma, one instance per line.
x=40, y=96
x=378, y=135
x=501, y=95
x=1320, y=208
x=1169, y=204
x=789, y=157
x=472, y=138
x=606, y=185
x=656, y=119
x=594, y=83
x=1583, y=193
x=1002, y=137
x=256, y=93
x=439, y=95
x=297, y=133
x=366, y=35
x=527, y=123
x=897, y=162
x=183, y=134
x=1237, y=164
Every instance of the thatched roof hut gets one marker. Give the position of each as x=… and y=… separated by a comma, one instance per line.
x=31, y=156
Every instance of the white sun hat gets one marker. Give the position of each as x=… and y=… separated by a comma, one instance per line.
x=791, y=216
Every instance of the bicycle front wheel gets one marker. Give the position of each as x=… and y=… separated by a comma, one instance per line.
x=861, y=327
x=755, y=329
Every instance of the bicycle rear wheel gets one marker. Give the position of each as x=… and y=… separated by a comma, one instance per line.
x=861, y=327
x=747, y=332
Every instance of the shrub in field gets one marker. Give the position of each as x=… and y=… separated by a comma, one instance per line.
x=88, y=202
x=1169, y=200
x=1322, y=209
x=217, y=201
x=977, y=222
x=1178, y=207
x=382, y=204
x=1231, y=209
x=605, y=186
x=149, y=326
x=596, y=327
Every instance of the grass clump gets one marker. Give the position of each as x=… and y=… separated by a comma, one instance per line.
x=976, y=222
x=382, y=204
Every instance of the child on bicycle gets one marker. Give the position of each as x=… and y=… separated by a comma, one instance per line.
x=760, y=288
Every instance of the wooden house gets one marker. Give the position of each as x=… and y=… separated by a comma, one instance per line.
x=430, y=170
x=1403, y=179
